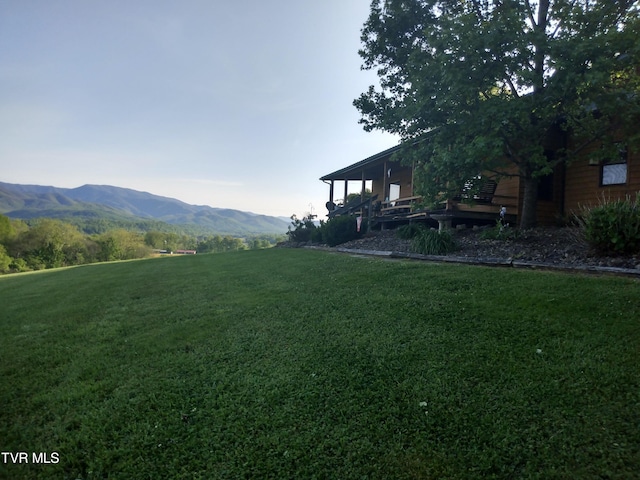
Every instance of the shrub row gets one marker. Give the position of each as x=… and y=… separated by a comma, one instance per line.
x=611, y=228
x=333, y=232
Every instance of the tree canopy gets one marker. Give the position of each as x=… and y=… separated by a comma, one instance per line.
x=477, y=85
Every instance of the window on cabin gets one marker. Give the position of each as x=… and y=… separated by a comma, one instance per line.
x=545, y=188
x=615, y=172
x=394, y=192
x=545, y=183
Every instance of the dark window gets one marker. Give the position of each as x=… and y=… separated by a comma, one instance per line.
x=545, y=184
x=545, y=188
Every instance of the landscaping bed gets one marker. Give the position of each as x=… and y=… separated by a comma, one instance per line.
x=560, y=246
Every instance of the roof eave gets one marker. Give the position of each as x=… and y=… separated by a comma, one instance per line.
x=343, y=172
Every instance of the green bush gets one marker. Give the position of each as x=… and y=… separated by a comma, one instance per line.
x=5, y=260
x=433, y=242
x=500, y=232
x=613, y=228
x=304, y=230
x=407, y=232
x=340, y=230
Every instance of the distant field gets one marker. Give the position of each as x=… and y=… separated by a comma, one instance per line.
x=295, y=364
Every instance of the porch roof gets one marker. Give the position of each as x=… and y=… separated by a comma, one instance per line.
x=354, y=172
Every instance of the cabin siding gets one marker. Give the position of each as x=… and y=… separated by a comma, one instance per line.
x=507, y=193
x=400, y=174
x=548, y=213
x=582, y=184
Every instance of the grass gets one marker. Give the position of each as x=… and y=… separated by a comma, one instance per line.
x=304, y=364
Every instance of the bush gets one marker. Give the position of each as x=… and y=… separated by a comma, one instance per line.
x=407, y=232
x=433, y=242
x=500, y=232
x=19, y=265
x=303, y=230
x=613, y=228
x=340, y=230
x=5, y=260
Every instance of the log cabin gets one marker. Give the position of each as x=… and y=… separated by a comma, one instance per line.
x=388, y=193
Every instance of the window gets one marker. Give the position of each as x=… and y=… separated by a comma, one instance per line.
x=545, y=188
x=546, y=183
x=394, y=192
x=615, y=172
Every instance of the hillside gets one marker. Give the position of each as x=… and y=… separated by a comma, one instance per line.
x=123, y=206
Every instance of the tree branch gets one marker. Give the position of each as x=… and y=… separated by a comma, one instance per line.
x=531, y=17
x=476, y=7
x=512, y=87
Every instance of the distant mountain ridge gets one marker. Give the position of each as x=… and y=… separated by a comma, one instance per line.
x=91, y=201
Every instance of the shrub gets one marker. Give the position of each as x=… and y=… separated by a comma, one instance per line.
x=613, y=227
x=500, y=231
x=5, y=260
x=433, y=242
x=19, y=265
x=302, y=230
x=407, y=232
x=340, y=230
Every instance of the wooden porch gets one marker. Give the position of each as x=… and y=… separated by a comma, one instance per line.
x=385, y=187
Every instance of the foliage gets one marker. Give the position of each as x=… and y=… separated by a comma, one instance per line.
x=6, y=230
x=409, y=231
x=169, y=241
x=338, y=230
x=613, y=227
x=121, y=244
x=501, y=231
x=433, y=242
x=50, y=243
x=478, y=86
x=5, y=260
x=214, y=366
x=357, y=196
x=263, y=241
x=218, y=244
x=302, y=230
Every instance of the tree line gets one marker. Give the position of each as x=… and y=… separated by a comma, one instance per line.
x=50, y=243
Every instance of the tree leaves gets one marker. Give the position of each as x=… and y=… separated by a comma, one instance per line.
x=487, y=80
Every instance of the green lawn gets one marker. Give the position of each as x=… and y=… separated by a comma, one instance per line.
x=304, y=364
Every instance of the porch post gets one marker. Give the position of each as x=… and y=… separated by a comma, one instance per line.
x=346, y=185
x=364, y=185
x=413, y=169
x=384, y=183
x=384, y=188
x=331, y=192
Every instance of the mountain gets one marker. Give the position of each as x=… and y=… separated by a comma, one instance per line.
x=124, y=205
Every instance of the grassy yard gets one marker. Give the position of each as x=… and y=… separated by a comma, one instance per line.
x=303, y=364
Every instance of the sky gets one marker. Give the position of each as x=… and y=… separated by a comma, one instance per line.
x=239, y=104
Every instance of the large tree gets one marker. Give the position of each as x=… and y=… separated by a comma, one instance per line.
x=477, y=85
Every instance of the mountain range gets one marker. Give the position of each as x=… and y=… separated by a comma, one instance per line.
x=96, y=204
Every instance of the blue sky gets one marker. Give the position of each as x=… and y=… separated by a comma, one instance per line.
x=233, y=104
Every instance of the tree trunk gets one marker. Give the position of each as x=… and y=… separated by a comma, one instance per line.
x=529, y=213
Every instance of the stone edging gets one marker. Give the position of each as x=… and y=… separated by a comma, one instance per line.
x=488, y=262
